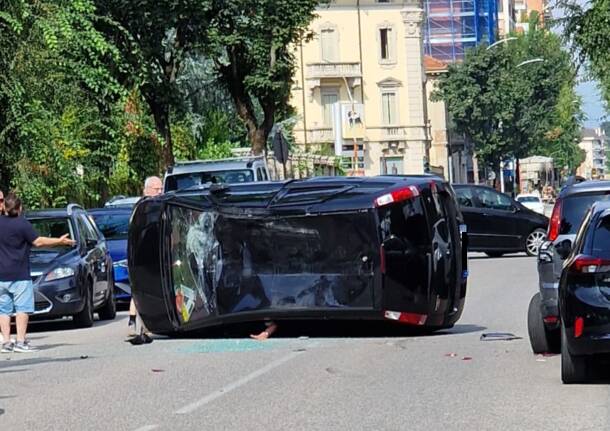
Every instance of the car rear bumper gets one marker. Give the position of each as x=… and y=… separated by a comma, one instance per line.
x=588, y=308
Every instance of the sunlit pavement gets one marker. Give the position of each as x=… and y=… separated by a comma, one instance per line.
x=313, y=376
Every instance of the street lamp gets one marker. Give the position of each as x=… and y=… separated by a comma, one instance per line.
x=506, y=39
x=533, y=60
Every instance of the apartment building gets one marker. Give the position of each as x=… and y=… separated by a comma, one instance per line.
x=523, y=10
x=360, y=86
x=595, y=144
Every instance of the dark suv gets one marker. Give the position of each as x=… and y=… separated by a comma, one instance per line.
x=498, y=224
x=570, y=208
x=71, y=281
x=584, y=298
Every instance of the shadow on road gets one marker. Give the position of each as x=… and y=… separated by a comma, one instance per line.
x=328, y=329
x=62, y=325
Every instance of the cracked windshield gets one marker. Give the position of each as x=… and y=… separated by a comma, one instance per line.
x=375, y=205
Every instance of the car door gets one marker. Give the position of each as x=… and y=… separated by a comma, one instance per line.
x=473, y=216
x=498, y=230
x=95, y=258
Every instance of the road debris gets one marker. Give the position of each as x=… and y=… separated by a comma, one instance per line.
x=499, y=336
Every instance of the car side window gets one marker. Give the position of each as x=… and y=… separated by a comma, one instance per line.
x=494, y=200
x=464, y=196
x=87, y=231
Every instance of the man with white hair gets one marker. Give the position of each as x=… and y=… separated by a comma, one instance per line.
x=153, y=186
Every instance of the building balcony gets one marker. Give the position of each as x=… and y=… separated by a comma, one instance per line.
x=320, y=136
x=391, y=133
x=333, y=70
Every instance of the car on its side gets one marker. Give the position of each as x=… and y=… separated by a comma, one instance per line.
x=71, y=281
x=122, y=201
x=573, y=202
x=584, y=298
x=113, y=222
x=532, y=202
x=184, y=175
x=380, y=248
x=498, y=224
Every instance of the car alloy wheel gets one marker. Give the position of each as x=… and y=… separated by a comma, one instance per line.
x=534, y=241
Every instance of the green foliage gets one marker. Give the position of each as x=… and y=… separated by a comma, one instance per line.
x=214, y=151
x=510, y=108
x=586, y=25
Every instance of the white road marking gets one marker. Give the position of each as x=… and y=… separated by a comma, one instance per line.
x=148, y=428
x=232, y=386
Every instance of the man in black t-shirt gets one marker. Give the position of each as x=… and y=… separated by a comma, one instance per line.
x=16, y=290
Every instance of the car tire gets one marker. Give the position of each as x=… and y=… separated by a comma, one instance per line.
x=542, y=340
x=573, y=368
x=108, y=310
x=533, y=241
x=494, y=254
x=84, y=319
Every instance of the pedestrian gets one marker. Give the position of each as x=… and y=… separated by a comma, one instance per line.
x=1, y=203
x=16, y=288
x=153, y=186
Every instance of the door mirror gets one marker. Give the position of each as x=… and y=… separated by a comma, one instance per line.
x=564, y=248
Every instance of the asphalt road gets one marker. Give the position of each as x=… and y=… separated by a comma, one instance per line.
x=314, y=377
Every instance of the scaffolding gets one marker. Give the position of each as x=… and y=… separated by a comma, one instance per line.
x=453, y=26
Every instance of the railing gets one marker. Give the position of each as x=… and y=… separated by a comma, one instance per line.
x=316, y=136
x=393, y=133
x=333, y=70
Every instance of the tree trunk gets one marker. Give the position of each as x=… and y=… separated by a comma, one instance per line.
x=162, y=125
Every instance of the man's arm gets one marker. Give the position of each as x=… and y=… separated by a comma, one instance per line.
x=43, y=241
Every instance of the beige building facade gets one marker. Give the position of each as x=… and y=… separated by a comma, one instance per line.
x=361, y=82
x=595, y=144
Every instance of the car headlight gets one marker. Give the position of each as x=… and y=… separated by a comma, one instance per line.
x=121, y=263
x=59, y=273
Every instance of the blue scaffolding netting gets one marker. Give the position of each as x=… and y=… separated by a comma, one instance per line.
x=453, y=26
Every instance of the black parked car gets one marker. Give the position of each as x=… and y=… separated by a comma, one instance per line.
x=570, y=208
x=322, y=248
x=71, y=281
x=584, y=298
x=498, y=224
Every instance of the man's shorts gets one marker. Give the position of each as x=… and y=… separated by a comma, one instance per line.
x=16, y=297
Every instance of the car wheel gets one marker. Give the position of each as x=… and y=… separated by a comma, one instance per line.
x=108, y=310
x=541, y=339
x=494, y=254
x=84, y=319
x=573, y=368
x=533, y=242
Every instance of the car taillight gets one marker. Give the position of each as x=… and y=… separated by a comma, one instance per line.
x=555, y=223
x=589, y=265
x=408, y=318
x=397, y=196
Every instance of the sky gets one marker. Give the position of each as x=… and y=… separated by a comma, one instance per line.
x=592, y=104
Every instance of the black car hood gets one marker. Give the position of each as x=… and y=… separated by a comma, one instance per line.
x=43, y=261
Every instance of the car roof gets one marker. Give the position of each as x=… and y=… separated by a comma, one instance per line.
x=47, y=213
x=111, y=210
x=214, y=165
x=590, y=186
x=528, y=195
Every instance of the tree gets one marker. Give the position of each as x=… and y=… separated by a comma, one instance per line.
x=250, y=42
x=587, y=28
x=504, y=99
x=155, y=38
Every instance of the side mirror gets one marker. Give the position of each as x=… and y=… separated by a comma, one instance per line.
x=564, y=248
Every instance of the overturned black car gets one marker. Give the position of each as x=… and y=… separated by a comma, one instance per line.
x=323, y=248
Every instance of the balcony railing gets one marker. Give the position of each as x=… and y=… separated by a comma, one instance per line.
x=393, y=133
x=333, y=70
x=319, y=136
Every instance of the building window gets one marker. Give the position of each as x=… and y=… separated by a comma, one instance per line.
x=385, y=39
x=385, y=46
x=388, y=108
x=329, y=42
x=392, y=166
x=329, y=98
